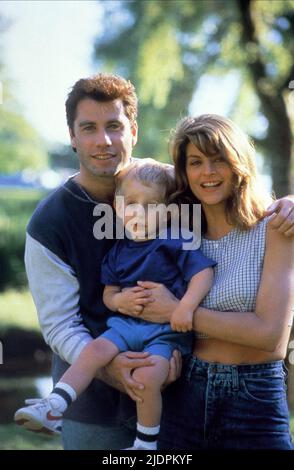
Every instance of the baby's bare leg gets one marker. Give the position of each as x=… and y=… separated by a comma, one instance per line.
x=46, y=415
x=93, y=357
x=152, y=377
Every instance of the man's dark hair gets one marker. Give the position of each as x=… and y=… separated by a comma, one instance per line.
x=102, y=87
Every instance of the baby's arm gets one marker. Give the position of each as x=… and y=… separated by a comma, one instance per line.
x=199, y=285
x=130, y=301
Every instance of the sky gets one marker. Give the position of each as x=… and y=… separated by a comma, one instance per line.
x=45, y=51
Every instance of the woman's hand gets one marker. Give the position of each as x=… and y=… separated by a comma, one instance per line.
x=162, y=305
x=283, y=218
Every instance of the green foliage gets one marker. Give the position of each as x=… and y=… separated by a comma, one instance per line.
x=16, y=207
x=20, y=145
x=13, y=304
x=159, y=66
x=166, y=46
x=62, y=156
x=145, y=47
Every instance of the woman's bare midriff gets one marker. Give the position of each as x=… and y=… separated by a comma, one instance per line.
x=214, y=350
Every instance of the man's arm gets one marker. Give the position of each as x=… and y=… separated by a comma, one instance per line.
x=55, y=291
x=283, y=218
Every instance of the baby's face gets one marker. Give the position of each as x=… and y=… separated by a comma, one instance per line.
x=141, y=208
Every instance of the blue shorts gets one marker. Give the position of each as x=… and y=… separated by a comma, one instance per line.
x=135, y=334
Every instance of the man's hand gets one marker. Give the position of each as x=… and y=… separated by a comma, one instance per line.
x=182, y=319
x=283, y=218
x=131, y=300
x=163, y=303
x=118, y=373
x=175, y=369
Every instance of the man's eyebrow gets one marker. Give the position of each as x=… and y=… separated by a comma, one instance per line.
x=93, y=123
x=86, y=123
x=116, y=121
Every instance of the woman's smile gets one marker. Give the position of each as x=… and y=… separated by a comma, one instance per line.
x=210, y=185
x=209, y=177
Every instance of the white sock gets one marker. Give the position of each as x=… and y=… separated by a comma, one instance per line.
x=147, y=437
x=62, y=396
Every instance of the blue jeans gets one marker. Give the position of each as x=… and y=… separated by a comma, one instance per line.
x=85, y=436
x=217, y=406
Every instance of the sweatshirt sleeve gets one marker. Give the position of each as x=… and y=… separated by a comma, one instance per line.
x=55, y=291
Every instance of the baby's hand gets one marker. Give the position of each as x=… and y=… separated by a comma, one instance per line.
x=131, y=301
x=182, y=320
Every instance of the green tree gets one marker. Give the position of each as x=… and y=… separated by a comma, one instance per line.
x=20, y=145
x=62, y=156
x=166, y=46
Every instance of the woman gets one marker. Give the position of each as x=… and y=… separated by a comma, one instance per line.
x=232, y=391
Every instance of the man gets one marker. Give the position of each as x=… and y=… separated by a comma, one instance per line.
x=63, y=261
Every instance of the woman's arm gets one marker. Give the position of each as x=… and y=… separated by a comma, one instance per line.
x=265, y=328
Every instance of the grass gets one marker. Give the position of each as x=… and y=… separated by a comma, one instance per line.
x=17, y=310
x=13, y=437
x=19, y=193
x=13, y=392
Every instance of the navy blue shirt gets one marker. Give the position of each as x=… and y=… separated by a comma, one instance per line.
x=63, y=223
x=157, y=260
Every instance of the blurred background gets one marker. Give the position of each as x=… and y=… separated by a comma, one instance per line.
x=230, y=57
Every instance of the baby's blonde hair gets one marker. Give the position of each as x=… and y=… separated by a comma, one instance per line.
x=148, y=171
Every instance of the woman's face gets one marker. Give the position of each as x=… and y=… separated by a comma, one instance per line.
x=210, y=178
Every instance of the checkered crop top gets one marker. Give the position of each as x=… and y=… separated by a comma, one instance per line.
x=237, y=275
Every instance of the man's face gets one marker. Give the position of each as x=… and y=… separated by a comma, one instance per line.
x=103, y=137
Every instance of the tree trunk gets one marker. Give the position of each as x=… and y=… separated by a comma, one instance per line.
x=278, y=142
x=278, y=146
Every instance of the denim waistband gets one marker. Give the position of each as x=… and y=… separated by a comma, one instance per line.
x=201, y=367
